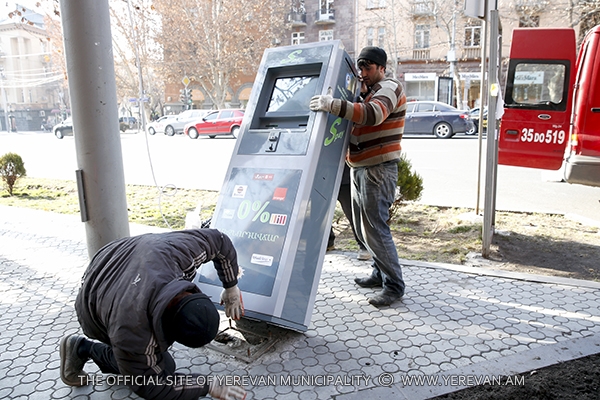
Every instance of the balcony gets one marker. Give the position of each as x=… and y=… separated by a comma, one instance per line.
x=471, y=52
x=420, y=8
x=421, y=54
x=325, y=16
x=530, y=5
x=297, y=19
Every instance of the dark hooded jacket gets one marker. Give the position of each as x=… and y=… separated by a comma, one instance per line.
x=127, y=287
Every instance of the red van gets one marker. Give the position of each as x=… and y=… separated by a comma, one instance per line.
x=552, y=104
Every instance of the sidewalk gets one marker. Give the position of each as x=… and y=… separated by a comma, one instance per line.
x=455, y=326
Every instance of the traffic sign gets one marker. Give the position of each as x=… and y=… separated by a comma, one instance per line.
x=185, y=81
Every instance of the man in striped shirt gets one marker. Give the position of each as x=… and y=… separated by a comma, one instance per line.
x=373, y=154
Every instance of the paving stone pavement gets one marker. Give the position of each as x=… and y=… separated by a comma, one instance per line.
x=455, y=327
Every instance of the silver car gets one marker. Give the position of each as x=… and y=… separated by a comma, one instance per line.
x=176, y=125
x=434, y=117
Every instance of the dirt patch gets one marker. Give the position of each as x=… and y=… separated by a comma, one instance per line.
x=574, y=380
x=545, y=244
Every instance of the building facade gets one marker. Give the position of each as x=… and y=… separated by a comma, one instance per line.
x=430, y=40
x=319, y=20
x=31, y=92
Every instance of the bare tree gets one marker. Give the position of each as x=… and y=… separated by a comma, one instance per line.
x=589, y=15
x=398, y=15
x=132, y=22
x=216, y=42
x=57, y=60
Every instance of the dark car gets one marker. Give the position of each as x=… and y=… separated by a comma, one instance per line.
x=434, y=117
x=127, y=123
x=219, y=122
x=474, y=114
x=65, y=128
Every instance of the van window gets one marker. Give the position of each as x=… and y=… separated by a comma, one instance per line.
x=538, y=85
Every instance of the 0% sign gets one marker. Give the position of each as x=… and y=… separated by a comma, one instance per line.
x=258, y=209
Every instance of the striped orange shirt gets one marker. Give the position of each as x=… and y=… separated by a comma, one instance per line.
x=378, y=124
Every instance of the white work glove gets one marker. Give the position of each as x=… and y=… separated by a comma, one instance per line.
x=322, y=102
x=234, y=305
x=223, y=392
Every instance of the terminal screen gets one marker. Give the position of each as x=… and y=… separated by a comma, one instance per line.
x=292, y=94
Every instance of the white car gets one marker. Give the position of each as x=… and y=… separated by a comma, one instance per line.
x=64, y=128
x=159, y=124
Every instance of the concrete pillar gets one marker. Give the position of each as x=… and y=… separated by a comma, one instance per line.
x=92, y=88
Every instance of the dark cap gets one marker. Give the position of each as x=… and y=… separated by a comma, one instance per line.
x=195, y=321
x=375, y=54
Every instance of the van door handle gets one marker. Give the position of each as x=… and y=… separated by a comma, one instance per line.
x=596, y=109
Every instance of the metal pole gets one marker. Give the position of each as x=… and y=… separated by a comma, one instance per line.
x=93, y=92
x=492, y=132
x=482, y=91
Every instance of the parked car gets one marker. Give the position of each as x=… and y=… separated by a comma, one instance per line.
x=220, y=122
x=127, y=123
x=474, y=114
x=64, y=128
x=160, y=124
x=434, y=117
x=177, y=124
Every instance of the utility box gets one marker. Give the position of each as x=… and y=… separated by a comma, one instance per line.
x=281, y=186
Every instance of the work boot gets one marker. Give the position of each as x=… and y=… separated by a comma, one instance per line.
x=385, y=298
x=368, y=282
x=71, y=365
x=363, y=255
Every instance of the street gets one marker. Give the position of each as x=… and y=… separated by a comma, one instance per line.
x=176, y=161
x=448, y=168
x=449, y=171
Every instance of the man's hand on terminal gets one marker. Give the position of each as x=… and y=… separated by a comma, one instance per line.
x=322, y=102
x=224, y=392
x=234, y=305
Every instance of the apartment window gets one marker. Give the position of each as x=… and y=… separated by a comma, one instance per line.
x=298, y=6
x=381, y=36
x=370, y=33
x=371, y=4
x=297, y=38
x=529, y=21
x=422, y=7
x=473, y=36
x=422, y=37
x=326, y=5
x=325, y=35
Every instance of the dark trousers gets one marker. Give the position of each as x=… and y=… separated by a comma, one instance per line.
x=345, y=200
x=104, y=358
